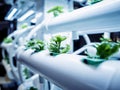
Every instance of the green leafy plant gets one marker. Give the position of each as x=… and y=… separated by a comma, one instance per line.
x=55, y=46
x=106, y=48
x=7, y=40
x=36, y=45
x=56, y=10
x=104, y=51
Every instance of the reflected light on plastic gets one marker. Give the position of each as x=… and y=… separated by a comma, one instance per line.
x=29, y=13
x=12, y=13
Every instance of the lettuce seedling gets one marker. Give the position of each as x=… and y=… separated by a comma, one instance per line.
x=36, y=45
x=55, y=46
x=107, y=48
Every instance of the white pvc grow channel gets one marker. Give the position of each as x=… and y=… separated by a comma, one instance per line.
x=98, y=18
x=68, y=72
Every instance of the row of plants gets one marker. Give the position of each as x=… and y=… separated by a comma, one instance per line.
x=104, y=50
x=55, y=46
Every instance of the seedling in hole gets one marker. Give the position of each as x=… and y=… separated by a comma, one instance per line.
x=106, y=48
x=55, y=46
x=36, y=45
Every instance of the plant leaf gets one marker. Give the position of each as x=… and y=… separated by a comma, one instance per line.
x=65, y=49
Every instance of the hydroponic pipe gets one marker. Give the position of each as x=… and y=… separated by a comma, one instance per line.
x=70, y=73
x=12, y=47
x=98, y=18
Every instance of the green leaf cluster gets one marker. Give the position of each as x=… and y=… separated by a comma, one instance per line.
x=107, y=48
x=36, y=45
x=56, y=10
x=7, y=40
x=55, y=45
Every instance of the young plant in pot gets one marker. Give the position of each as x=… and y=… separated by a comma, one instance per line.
x=36, y=45
x=55, y=46
x=104, y=51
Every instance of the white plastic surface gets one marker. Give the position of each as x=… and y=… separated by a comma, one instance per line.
x=68, y=72
x=12, y=47
x=97, y=18
x=33, y=81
